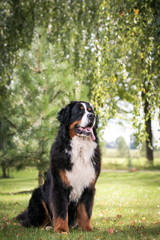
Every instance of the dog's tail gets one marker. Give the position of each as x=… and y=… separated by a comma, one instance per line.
x=23, y=218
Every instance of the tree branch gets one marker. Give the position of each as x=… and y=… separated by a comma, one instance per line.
x=38, y=69
x=12, y=124
x=55, y=96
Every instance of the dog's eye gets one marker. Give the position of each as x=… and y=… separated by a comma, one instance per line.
x=81, y=108
x=89, y=109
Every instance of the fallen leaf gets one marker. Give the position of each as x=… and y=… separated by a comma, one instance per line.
x=18, y=235
x=118, y=230
x=98, y=238
x=157, y=223
x=143, y=219
x=65, y=233
x=80, y=237
x=110, y=231
x=48, y=228
x=133, y=223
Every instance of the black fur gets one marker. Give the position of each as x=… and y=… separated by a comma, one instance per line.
x=55, y=192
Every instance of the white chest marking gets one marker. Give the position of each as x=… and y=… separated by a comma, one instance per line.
x=82, y=172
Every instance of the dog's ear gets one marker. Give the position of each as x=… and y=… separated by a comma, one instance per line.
x=64, y=114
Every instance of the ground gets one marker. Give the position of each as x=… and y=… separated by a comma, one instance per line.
x=134, y=158
x=127, y=206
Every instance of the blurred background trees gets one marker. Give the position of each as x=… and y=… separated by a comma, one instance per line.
x=42, y=83
x=51, y=51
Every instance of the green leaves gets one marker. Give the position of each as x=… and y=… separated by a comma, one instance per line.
x=43, y=84
x=112, y=47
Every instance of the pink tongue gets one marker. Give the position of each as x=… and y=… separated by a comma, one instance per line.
x=92, y=135
x=89, y=130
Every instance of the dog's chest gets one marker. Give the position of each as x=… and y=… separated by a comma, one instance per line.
x=83, y=172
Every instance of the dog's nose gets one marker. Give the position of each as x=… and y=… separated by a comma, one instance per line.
x=91, y=116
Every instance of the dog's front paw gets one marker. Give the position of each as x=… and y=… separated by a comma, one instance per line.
x=87, y=228
x=61, y=225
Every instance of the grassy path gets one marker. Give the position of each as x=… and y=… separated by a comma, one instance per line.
x=127, y=206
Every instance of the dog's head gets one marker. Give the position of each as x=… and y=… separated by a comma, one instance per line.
x=79, y=118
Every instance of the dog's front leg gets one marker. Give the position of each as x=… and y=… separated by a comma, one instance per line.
x=59, y=209
x=84, y=210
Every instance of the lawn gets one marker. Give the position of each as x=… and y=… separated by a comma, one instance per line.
x=127, y=206
x=112, y=160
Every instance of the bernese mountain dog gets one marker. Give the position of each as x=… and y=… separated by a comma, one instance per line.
x=66, y=197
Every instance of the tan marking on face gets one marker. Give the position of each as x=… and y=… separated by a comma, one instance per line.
x=47, y=220
x=61, y=225
x=82, y=218
x=64, y=177
x=72, y=131
x=89, y=109
x=81, y=107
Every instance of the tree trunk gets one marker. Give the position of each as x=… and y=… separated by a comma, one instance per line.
x=8, y=172
x=149, y=144
x=4, y=171
x=40, y=178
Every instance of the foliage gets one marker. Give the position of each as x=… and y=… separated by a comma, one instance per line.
x=8, y=129
x=113, y=47
x=126, y=207
x=103, y=39
x=126, y=64
x=122, y=69
x=115, y=50
x=68, y=24
x=18, y=20
x=43, y=84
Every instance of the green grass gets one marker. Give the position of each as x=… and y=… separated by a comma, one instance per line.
x=127, y=206
x=112, y=160
x=116, y=163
